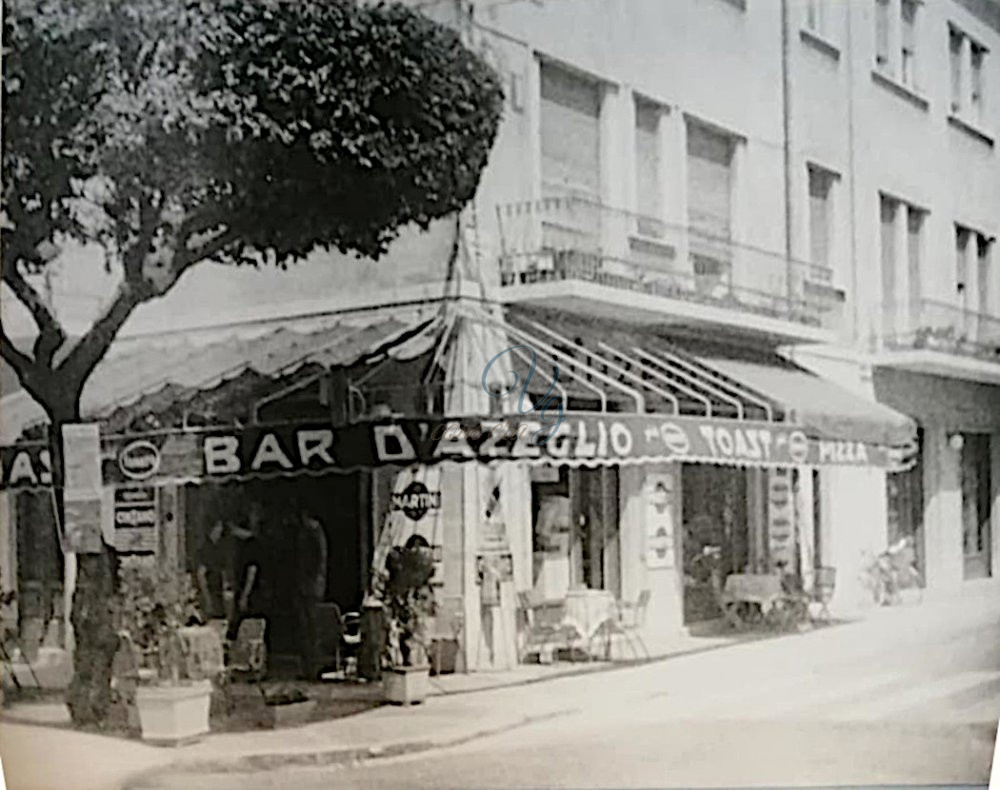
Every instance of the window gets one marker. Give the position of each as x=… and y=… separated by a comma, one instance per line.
x=815, y=16
x=962, y=236
x=888, y=208
x=902, y=252
x=914, y=232
x=955, y=60
x=972, y=271
x=983, y=244
x=908, y=51
x=968, y=69
x=710, y=162
x=648, y=199
x=977, y=56
x=882, y=34
x=820, y=185
x=570, y=131
x=710, y=186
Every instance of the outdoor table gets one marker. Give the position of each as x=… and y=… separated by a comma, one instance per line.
x=756, y=588
x=589, y=609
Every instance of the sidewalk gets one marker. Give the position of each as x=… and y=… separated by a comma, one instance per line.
x=464, y=707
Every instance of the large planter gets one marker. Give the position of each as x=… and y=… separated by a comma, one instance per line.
x=172, y=715
x=406, y=685
x=290, y=714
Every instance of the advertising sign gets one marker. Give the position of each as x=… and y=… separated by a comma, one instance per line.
x=780, y=518
x=581, y=437
x=83, y=489
x=660, y=508
x=137, y=520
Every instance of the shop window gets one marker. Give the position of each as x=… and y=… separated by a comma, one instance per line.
x=715, y=511
x=575, y=530
x=976, y=504
x=905, y=501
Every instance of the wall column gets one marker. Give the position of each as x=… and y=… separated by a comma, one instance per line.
x=650, y=500
x=856, y=521
x=943, y=511
x=673, y=137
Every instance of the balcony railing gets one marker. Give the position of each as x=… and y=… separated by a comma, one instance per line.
x=939, y=326
x=575, y=238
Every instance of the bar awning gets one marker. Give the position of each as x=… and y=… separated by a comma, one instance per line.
x=827, y=410
x=710, y=378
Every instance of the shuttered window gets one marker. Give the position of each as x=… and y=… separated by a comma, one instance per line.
x=820, y=182
x=570, y=130
x=709, y=161
x=647, y=159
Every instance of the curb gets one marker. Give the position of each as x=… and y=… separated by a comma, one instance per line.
x=253, y=763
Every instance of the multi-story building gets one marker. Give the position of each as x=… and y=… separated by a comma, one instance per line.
x=809, y=180
x=750, y=245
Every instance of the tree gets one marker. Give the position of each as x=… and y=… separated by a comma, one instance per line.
x=172, y=132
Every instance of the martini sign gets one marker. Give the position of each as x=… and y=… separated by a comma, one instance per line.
x=416, y=500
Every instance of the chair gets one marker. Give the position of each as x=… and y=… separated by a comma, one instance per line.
x=629, y=622
x=350, y=641
x=541, y=638
x=247, y=653
x=446, y=635
x=824, y=583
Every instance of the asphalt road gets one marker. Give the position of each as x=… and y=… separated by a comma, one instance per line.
x=908, y=701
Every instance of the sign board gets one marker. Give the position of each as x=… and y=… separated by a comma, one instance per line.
x=583, y=437
x=82, y=527
x=415, y=501
x=660, y=508
x=82, y=458
x=137, y=517
x=82, y=493
x=781, y=518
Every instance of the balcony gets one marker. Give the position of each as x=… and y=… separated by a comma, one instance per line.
x=577, y=254
x=940, y=338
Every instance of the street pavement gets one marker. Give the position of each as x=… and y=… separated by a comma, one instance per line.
x=908, y=696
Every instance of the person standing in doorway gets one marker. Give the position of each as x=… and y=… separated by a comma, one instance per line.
x=310, y=587
x=247, y=569
x=214, y=571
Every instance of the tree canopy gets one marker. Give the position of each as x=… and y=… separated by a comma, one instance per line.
x=171, y=132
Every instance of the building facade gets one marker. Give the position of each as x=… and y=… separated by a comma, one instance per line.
x=761, y=234
x=816, y=178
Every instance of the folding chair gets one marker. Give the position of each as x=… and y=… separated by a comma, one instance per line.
x=630, y=621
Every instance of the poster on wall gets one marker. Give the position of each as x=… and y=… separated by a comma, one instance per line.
x=82, y=488
x=780, y=518
x=137, y=518
x=414, y=508
x=660, y=521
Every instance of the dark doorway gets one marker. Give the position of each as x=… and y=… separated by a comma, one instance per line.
x=714, y=512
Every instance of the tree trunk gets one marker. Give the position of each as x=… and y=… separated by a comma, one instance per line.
x=92, y=616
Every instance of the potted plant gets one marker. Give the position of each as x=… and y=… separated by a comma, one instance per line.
x=172, y=700
x=287, y=705
x=408, y=598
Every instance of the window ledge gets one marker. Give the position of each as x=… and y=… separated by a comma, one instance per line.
x=901, y=90
x=821, y=43
x=971, y=128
